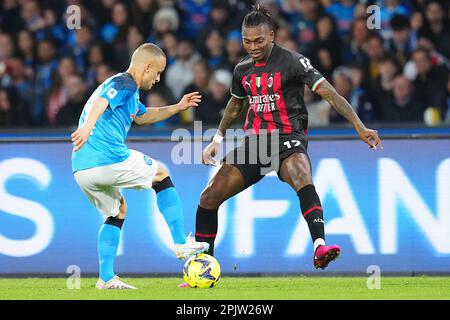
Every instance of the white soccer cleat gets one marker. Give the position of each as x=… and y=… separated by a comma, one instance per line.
x=190, y=248
x=113, y=284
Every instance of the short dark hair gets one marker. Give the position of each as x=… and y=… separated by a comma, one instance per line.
x=424, y=50
x=258, y=16
x=399, y=22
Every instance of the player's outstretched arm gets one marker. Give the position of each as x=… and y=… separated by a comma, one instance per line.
x=153, y=115
x=369, y=136
x=232, y=112
x=81, y=135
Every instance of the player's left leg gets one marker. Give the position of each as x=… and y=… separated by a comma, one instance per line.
x=169, y=204
x=296, y=171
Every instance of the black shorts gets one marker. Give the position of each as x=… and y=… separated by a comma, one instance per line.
x=257, y=155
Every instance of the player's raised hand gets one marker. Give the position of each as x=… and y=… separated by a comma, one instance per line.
x=370, y=137
x=79, y=137
x=209, y=153
x=190, y=100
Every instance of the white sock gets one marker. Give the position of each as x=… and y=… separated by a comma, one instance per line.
x=318, y=242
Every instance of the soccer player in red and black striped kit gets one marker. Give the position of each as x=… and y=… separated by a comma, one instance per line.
x=271, y=79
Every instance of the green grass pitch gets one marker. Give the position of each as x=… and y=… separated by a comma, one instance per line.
x=239, y=288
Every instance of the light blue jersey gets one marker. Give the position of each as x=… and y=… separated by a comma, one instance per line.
x=106, y=145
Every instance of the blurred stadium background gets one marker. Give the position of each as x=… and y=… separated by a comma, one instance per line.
x=388, y=208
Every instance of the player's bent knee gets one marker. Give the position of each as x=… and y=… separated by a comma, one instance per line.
x=210, y=198
x=297, y=171
x=161, y=173
x=123, y=209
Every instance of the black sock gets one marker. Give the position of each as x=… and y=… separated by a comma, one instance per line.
x=206, y=227
x=115, y=222
x=312, y=211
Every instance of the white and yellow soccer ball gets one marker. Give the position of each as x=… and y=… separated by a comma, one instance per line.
x=201, y=271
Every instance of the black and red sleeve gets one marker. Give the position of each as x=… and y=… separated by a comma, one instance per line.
x=237, y=88
x=306, y=73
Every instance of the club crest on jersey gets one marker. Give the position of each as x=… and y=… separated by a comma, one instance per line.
x=270, y=81
x=148, y=160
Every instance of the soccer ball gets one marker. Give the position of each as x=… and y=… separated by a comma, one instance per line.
x=201, y=271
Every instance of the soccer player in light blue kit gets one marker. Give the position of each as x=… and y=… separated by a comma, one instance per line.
x=103, y=165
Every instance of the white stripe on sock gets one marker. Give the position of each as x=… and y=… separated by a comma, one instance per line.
x=318, y=242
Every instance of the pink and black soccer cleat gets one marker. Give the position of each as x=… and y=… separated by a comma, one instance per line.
x=325, y=254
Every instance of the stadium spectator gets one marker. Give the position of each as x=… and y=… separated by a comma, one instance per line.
x=376, y=53
x=291, y=45
x=123, y=53
x=142, y=14
x=324, y=62
x=215, y=52
x=98, y=54
x=390, y=8
x=361, y=98
x=200, y=83
x=303, y=20
x=47, y=63
x=102, y=10
x=437, y=27
x=283, y=34
x=234, y=50
x=31, y=15
x=348, y=83
x=11, y=22
x=81, y=48
x=13, y=111
x=194, y=16
x=169, y=45
x=57, y=96
x=76, y=91
x=416, y=22
x=431, y=79
x=166, y=20
x=214, y=103
x=382, y=88
x=115, y=32
x=22, y=83
x=7, y=47
x=218, y=20
x=355, y=51
x=327, y=39
x=400, y=45
x=343, y=12
x=342, y=82
x=102, y=72
x=179, y=74
x=26, y=50
x=404, y=105
x=52, y=28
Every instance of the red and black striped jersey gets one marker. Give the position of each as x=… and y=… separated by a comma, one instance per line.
x=274, y=90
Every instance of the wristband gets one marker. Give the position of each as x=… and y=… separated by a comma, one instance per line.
x=217, y=138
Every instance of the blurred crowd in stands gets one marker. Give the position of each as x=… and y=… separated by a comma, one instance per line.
x=392, y=65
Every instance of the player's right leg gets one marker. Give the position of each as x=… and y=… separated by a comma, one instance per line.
x=227, y=182
x=96, y=184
